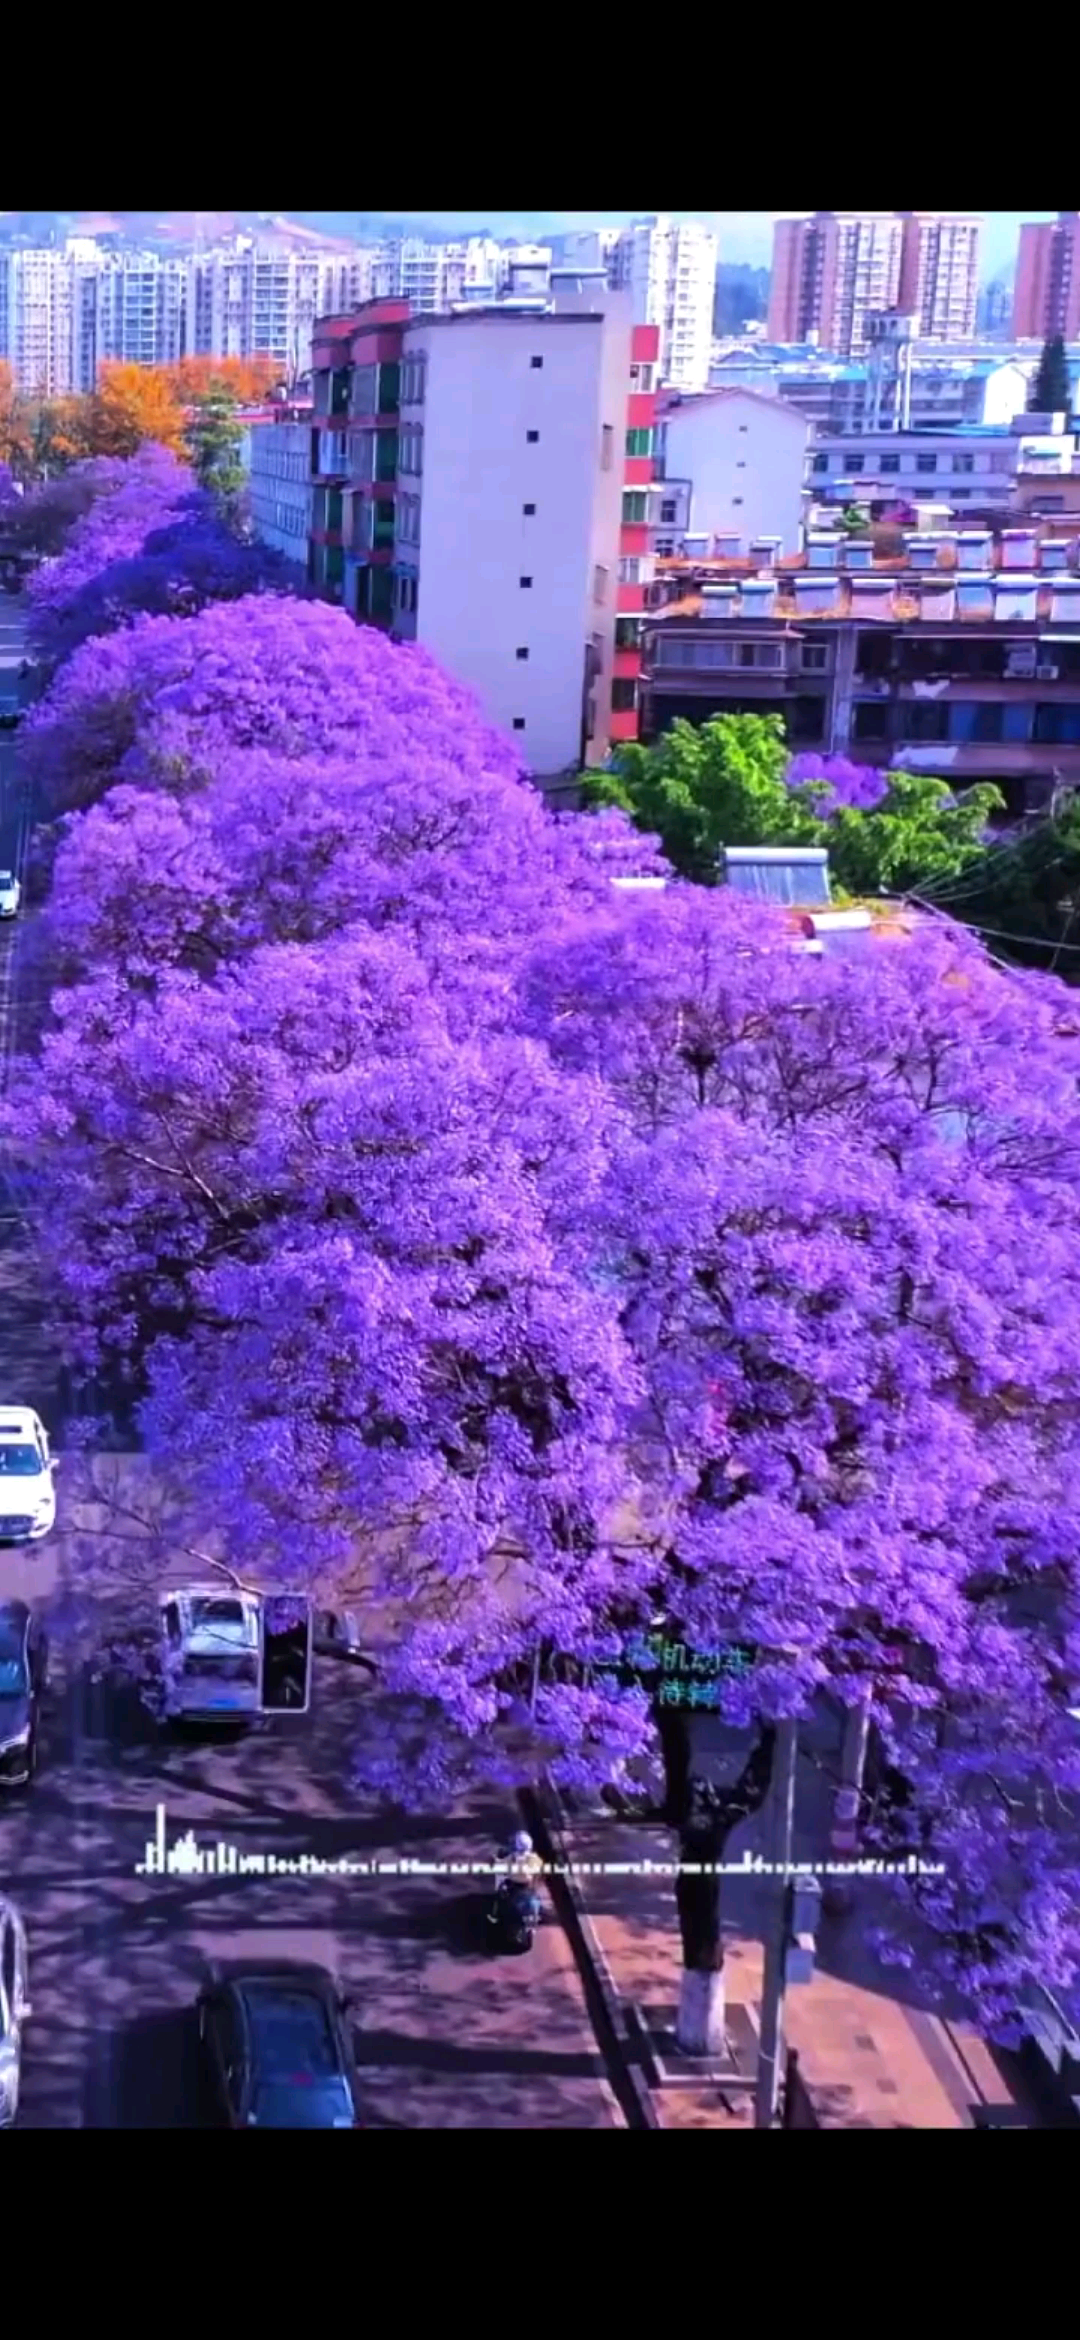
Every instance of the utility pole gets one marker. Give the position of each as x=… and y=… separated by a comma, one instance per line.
x=770, y=2047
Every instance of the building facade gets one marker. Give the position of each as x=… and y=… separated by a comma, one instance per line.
x=830, y=270
x=962, y=658
x=280, y=488
x=1046, y=299
x=470, y=493
x=669, y=269
x=745, y=458
x=954, y=467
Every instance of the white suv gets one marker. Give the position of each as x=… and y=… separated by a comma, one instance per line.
x=10, y=894
x=27, y=1493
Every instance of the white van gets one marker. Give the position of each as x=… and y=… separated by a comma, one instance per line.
x=210, y=1654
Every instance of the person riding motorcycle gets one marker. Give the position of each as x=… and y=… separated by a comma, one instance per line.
x=523, y=1867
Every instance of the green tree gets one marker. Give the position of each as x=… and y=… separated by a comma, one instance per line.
x=704, y=786
x=1051, y=391
x=854, y=520
x=1023, y=892
x=214, y=439
x=707, y=785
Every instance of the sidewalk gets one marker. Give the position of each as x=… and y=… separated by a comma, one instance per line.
x=869, y=2055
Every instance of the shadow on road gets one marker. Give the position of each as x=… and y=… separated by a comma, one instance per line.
x=148, y=2075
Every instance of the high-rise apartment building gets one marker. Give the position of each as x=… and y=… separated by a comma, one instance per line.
x=832, y=270
x=669, y=269
x=475, y=490
x=1047, y=296
x=939, y=273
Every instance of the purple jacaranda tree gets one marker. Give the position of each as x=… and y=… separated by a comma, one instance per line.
x=162, y=702
x=844, y=1231
x=857, y=786
x=154, y=543
x=523, y=1260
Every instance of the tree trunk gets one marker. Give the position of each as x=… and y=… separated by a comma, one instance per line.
x=704, y=1813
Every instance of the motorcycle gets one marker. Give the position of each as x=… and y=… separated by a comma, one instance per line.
x=514, y=1916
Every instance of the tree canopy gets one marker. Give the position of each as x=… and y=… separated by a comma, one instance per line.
x=562, y=1256
x=731, y=781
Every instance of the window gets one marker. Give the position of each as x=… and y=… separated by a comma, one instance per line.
x=531, y=438
x=964, y=463
x=669, y=512
x=736, y=499
x=634, y=507
x=820, y=463
x=522, y=653
x=623, y=695
x=528, y=511
x=607, y=447
x=536, y=363
x=926, y=463
x=639, y=443
x=630, y=569
x=519, y=723
x=744, y=428
x=599, y=583
x=664, y=548
x=854, y=463
x=815, y=657
x=871, y=719
x=746, y=654
x=627, y=633
x=524, y=583
x=889, y=463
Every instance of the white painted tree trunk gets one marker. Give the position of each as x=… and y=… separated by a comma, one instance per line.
x=702, y=2012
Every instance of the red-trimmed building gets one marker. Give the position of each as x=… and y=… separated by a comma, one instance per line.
x=480, y=484
x=635, y=562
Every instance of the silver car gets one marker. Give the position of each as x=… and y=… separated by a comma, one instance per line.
x=10, y=894
x=14, y=2008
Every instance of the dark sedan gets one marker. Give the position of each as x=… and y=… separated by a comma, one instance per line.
x=23, y=1668
x=278, y=2047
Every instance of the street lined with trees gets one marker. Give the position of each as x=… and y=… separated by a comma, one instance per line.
x=562, y=1259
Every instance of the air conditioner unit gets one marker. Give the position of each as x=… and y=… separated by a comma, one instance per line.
x=1047, y=671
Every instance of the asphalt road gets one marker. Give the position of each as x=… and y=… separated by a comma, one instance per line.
x=447, y=2037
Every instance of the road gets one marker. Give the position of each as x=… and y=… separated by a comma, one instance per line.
x=447, y=2037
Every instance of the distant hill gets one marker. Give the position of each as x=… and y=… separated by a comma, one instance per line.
x=161, y=230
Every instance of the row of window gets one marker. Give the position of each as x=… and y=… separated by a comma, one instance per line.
x=892, y=462
x=979, y=721
x=411, y=450
x=288, y=519
x=408, y=519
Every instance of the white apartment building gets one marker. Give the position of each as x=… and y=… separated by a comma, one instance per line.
x=135, y=314
x=280, y=487
x=669, y=269
x=509, y=508
x=247, y=302
x=744, y=457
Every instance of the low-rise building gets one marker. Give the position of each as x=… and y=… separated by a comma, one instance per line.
x=961, y=659
x=279, y=475
x=745, y=458
x=977, y=466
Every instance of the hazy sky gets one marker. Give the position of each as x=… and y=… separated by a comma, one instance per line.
x=744, y=235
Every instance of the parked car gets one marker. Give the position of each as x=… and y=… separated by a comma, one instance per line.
x=210, y=1654
x=278, y=2047
x=10, y=709
x=24, y=1666
x=14, y=2008
x=10, y=894
x=27, y=1471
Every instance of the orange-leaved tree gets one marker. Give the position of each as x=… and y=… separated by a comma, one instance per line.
x=131, y=405
x=15, y=432
x=243, y=379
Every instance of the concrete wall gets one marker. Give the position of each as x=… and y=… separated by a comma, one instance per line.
x=746, y=460
x=476, y=541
